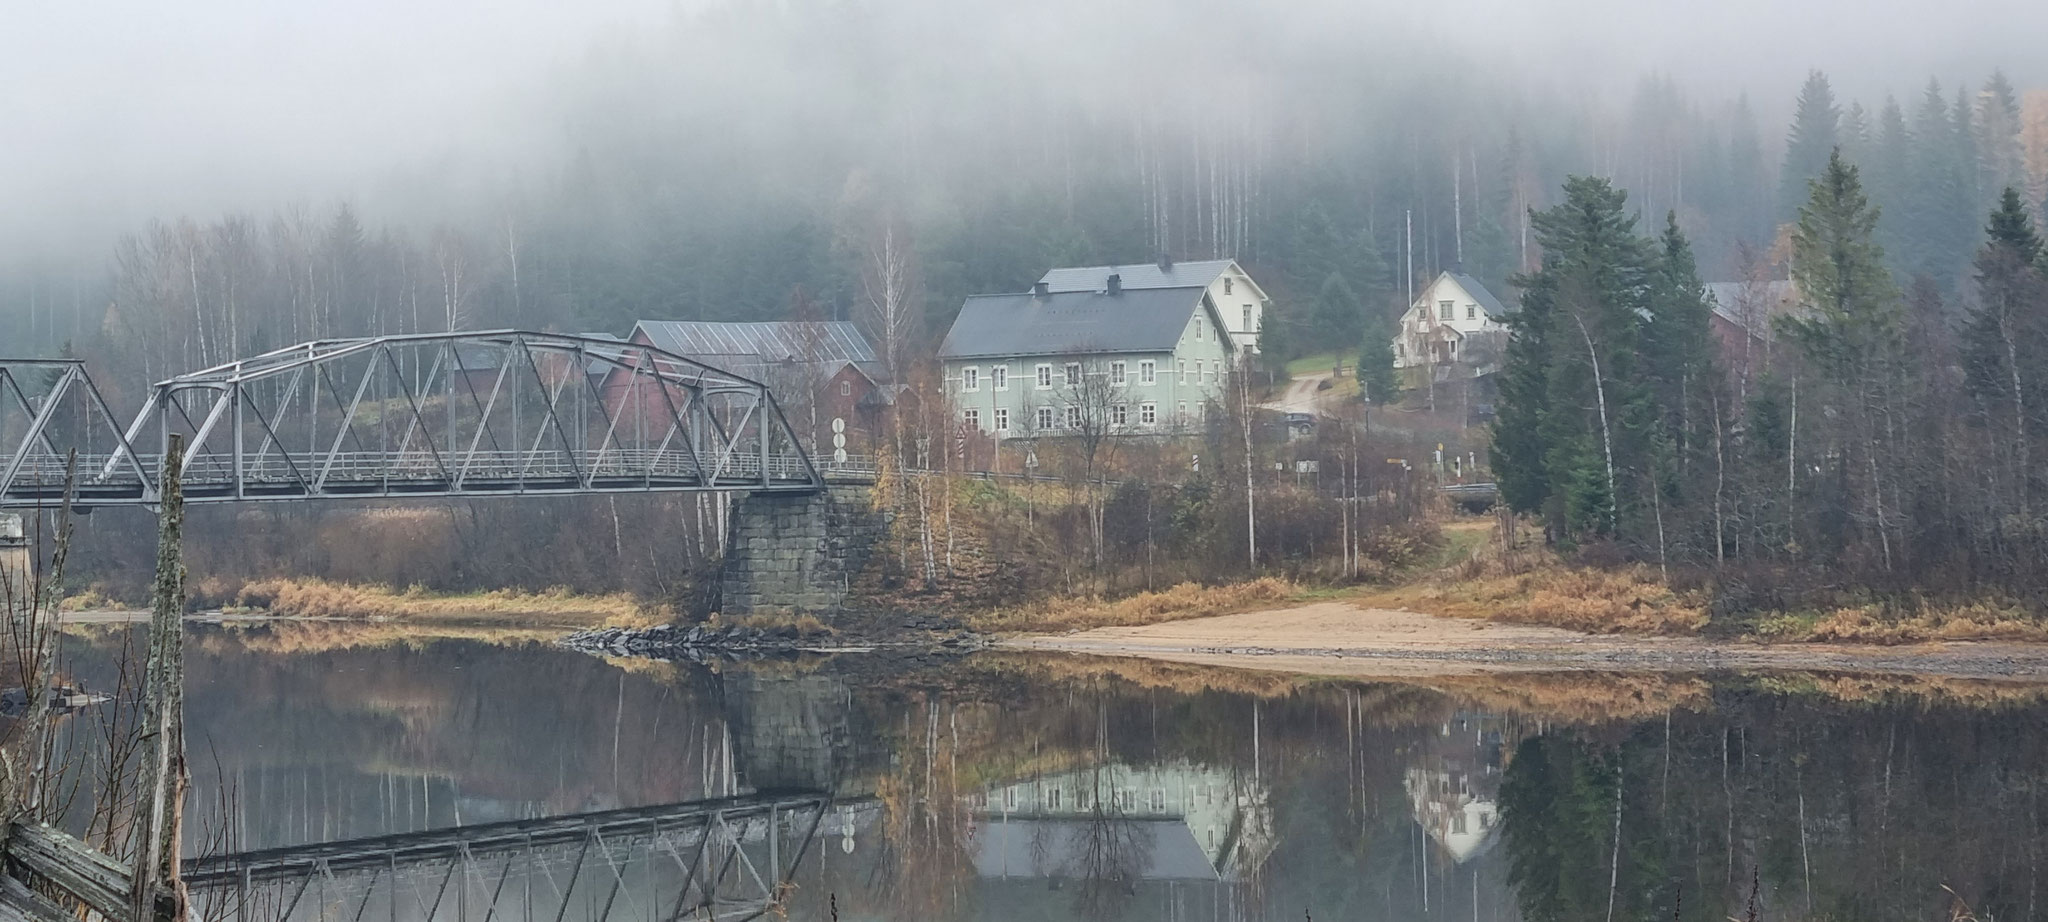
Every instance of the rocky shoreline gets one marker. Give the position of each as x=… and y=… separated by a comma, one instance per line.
x=702, y=642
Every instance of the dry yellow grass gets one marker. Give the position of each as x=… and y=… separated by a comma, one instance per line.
x=1187, y=600
x=1550, y=593
x=1963, y=622
x=315, y=598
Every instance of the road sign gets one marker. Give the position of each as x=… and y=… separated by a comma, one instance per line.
x=838, y=424
x=839, y=456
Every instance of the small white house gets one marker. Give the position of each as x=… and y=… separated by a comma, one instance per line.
x=1454, y=323
x=1238, y=300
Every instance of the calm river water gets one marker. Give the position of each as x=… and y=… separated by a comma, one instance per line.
x=1011, y=787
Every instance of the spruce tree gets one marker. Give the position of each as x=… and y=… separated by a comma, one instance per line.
x=1339, y=314
x=2005, y=345
x=1851, y=334
x=1379, y=384
x=2001, y=156
x=1815, y=134
x=1574, y=421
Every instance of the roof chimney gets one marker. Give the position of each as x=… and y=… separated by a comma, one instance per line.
x=1165, y=262
x=1040, y=289
x=1116, y=283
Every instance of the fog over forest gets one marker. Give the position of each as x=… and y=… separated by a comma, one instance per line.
x=627, y=140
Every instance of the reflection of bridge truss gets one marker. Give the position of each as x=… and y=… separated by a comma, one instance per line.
x=445, y=414
x=728, y=860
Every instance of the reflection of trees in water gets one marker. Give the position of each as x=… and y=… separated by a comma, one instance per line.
x=926, y=862
x=1838, y=810
x=1109, y=851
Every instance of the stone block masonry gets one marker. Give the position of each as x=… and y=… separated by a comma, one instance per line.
x=799, y=552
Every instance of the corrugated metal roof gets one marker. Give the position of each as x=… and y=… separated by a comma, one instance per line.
x=763, y=342
x=1066, y=323
x=1197, y=274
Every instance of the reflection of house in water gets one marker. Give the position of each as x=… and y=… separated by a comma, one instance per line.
x=1454, y=786
x=1176, y=821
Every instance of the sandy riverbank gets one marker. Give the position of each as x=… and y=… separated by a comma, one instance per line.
x=1342, y=639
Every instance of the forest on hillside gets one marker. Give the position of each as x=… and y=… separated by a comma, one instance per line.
x=761, y=161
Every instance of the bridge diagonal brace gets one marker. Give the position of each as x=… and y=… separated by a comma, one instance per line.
x=418, y=419
x=553, y=417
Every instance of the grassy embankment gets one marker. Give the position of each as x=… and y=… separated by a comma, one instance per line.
x=1472, y=577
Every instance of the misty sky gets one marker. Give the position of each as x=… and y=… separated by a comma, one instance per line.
x=111, y=112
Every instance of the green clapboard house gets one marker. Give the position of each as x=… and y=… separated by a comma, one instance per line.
x=1111, y=361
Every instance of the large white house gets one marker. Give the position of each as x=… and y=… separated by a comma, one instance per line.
x=1455, y=324
x=1238, y=300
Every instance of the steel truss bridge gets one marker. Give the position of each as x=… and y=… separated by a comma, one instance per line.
x=496, y=413
x=725, y=860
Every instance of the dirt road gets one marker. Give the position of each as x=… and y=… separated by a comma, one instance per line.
x=1301, y=394
x=1341, y=639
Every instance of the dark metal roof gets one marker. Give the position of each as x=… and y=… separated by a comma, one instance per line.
x=1065, y=323
x=1197, y=274
x=764, y=342
x=1483, y=297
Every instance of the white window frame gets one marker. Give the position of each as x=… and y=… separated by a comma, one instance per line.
x=1446, y=310
x=1116, y=373
x=1148, y=413
x=972, y=417
x=1198, y=329
x=1046, y=418
x=1071, y=374
x=1148, y=372
x=1073, y=419
x=970, y=379
x=1247, y=318
x=1180, y=367
x=1002, y=419
x=999, y=377
x=1226, y=284
x=1471, y=312
x=1180, y=413
x=1120, y=414
x=1044, y=376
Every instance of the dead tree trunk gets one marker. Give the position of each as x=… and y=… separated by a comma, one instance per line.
x=159, y=894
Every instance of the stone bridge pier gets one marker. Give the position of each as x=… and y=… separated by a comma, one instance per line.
x=799, y=552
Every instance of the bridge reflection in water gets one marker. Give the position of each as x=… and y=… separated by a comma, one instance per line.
x=729, y=859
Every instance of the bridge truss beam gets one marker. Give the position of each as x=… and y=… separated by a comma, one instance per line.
x=49, y=407
x=728, y=860
x=497, y=413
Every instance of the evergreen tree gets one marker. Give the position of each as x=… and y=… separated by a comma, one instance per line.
x=1575, y=422
x=1339, y=314
x=1379, y=384
x=1815, y=134
x=2002, y=158
x=1679, y=365
x=1888, y=174
x=2005, y=345
x=1852, y=335
x=1938, y=227
x=1751, y=209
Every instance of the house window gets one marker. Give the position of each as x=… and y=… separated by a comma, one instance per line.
x=1120, y=415
x=1454, y=347
x=1073, y=417
x=1247, y=318
x=1009, y=798
x=1116, y=372
x=1052, y=798
x=1073, y=374
x=1045, y=418
x=1158, y=800
x=1148, y=372
x=1445, y=310
x=1471, y=312
x=970, y=379
x=1180, y=367
x=1044, y=376
x=1148, y=413
x=972, y=419
x=1198, y=329
x=1400, y=351
x=1180, y=414
x=1002, y=419
x=999, y=377
x=846, y=388
x=1226, y=284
